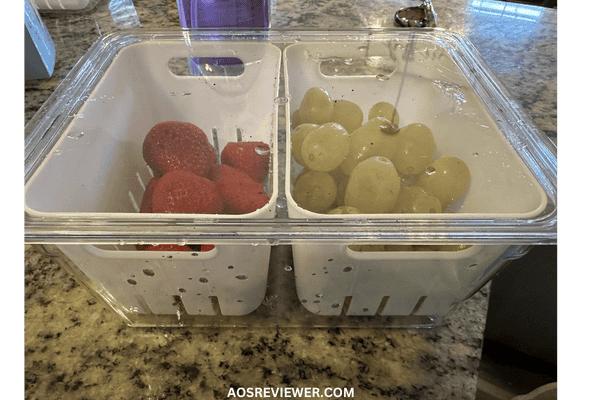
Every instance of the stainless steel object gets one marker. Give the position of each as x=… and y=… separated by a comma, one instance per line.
x=420, y=16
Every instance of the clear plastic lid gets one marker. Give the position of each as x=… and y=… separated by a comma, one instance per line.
x=85, y=174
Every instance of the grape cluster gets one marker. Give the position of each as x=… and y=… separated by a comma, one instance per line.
x=351, y=167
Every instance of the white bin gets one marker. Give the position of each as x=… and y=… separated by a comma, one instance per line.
x=96, y=169
x=422, y=79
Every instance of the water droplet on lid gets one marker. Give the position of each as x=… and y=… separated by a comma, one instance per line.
x=381, y=77
x=203, y=280
x=74, y=135
x=261, y=151
x=57, y=152
x=347, y=269
x=241, y=277
x=281, y=100
x=319, y=295
x=287, y=268
x=335, y=305
x=281, y=203
x=429, y=170
x=348, y=61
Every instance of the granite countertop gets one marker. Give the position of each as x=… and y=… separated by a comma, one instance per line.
x=78, y=348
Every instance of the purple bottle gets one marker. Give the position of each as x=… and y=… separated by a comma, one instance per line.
x=224, y=13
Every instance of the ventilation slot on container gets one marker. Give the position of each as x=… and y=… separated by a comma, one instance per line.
x=418, y=305
x=381, y=307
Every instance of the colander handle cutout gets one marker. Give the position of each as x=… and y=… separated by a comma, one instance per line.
x=206, y=66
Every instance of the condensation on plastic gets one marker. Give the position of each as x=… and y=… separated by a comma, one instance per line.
x=91, y=93
x=149, y=293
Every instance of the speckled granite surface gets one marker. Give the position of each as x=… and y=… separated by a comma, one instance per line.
x=76, y=348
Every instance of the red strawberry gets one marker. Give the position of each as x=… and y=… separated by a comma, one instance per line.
x=250, y=157
x=241, y=194
x=174, y=145
x=146, y=205
x=184, y=192
x=167, y=247
x=202, y=247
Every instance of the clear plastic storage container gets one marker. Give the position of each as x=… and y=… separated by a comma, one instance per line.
x=281, y=265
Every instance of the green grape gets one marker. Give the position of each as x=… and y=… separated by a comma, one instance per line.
x=377, y=137
x=316, y=107
x=427, y=247
x=367, y=247
x=373, y=186
x=297, y=138
x=341, y=180
x=347, y=114
x=415, y=150
x=295, y=119
x=441, y=247
x=415, y=199
x=447, y=178
x=345, y=210
x=314, y=190
x=341, y=190
x=398, y=247
x=454, y=247
x=324, y=148
x=385, y=110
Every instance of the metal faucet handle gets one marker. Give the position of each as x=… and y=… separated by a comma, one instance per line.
x=420, y=16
